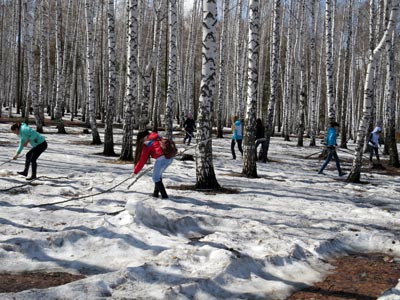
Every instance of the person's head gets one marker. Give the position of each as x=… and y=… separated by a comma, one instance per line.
x=377, y=130
x=335, y=124
x=259, y=122
x=15, y=128
x=190, y=115
x=142, y=135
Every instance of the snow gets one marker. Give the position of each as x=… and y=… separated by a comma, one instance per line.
x=266, y=241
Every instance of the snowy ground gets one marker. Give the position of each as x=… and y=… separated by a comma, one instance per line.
x=271, y=238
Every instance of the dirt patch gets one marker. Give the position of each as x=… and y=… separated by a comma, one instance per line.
x=12, y=283
x=355, y=277
x=207, y=192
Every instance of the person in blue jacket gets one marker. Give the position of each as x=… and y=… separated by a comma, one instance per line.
x=237, y=136
x=38, y=143
x=331, y=144
x=374, y=143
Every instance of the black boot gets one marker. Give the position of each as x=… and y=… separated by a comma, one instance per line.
x=161, y=188
x=33, y=176
x=25, y=171
x=156, y=191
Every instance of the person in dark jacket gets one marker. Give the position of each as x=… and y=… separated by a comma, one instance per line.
x=148, y=145
x=29, y=136
x=260, y=139
x=189, y=126
x=374, y=143
x=331, y=144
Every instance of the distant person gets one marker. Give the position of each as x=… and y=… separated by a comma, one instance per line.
x=374, y=143
x=148, y=145
x=260, y=139
x=189, y=126
x=38, y=143
x=331, y=145
x=237, y=136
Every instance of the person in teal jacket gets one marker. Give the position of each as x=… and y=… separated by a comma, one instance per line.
x=331, y=144
x=38, y=143
x=237, y=136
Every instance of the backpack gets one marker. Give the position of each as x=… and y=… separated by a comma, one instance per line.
x=168, y=147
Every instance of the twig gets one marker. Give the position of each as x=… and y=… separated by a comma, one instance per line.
x=82, y=197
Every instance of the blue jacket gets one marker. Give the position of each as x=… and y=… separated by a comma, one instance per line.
x=331, y=137
x=238, y=131
x=27, y=134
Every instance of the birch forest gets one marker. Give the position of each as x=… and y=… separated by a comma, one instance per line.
x=296, y=64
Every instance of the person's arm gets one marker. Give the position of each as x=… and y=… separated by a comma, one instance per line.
x=144, y=156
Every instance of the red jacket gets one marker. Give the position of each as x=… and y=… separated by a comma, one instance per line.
x=151, y=147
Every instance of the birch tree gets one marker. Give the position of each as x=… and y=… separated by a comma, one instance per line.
x=110, y=111
x=249, y=151
x=59, y=74
x=390, y=107
x=205, y=175
x=222, y=69
x=274, y=73
x=130, y=95
x=172, y=64
x=355, y=172
x=89, y=73
x=329, y=61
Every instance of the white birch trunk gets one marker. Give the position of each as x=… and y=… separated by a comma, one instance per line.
x=274, y=73
x=249, y=151
x=110, y=111
x=355, y=173
x=172, y=64
x=131, y=80
x=90, y=69
x=205, y=175
x=59, y=106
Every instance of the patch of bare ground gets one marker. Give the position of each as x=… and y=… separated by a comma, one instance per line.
x=221, y=190
x=355, y=277
x=12, y=283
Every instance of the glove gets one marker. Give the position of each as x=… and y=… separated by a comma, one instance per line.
x=15, y=156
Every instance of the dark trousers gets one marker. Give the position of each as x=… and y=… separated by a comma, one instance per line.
x=239, y=143
x=189, y=135
x=263, y=143
x=331, y=154
x=373, y=150
x=33, y=155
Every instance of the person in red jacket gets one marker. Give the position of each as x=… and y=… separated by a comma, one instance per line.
x=148, y=145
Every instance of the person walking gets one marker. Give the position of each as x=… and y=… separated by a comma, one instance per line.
x=189, y=126
x=260, y=139
x=237, y=136
x=374, y=143
x=331, y=144
x=148, y=145
x=39, y=145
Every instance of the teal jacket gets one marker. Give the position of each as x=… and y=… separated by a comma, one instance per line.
x=331, y=137
x=238, y=132
x=27, y=134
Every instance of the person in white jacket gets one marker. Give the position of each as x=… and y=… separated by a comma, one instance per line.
x=374, y=143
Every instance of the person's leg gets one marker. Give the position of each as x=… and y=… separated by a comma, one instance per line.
x=371, y=152
x=190, y=134
x=255, y=149
x=328, y=159
x=239, y=142
x=36, y=152
x=28, y=158
x=233, y=149
x=377, y=153
x=336, y=157
x=264, y=151
x=160, y=166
